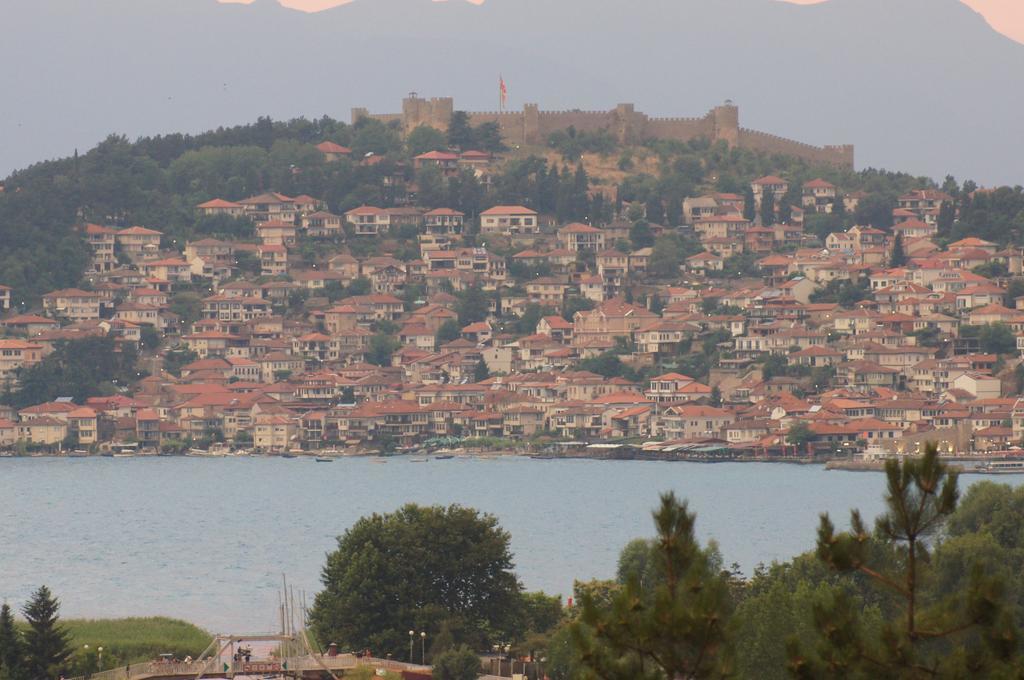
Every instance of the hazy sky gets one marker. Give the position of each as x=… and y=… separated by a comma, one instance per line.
x=1005, y=15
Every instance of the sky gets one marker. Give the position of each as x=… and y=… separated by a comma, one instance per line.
x=1006, y=16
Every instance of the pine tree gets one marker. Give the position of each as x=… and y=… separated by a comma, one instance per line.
x=898, y=257
x=675, y=626
x=785, y=213
x=481, y=372
x=839, y=206
x=11, y=652
x=47, y=643
x=749, y=205
x=947, y=635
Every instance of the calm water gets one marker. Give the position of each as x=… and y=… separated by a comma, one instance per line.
x=208, y=539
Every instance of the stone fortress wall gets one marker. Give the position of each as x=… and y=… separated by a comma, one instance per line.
x=532, y=126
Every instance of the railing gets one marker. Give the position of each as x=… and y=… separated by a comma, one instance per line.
x=215, y=667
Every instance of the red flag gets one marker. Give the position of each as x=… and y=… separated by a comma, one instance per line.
x=503, y=90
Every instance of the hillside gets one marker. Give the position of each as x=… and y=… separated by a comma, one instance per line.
x=157, y=182
x=839, y=71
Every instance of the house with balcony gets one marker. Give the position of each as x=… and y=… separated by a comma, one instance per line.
x=101, y=240
x=368, y=220
x=139, y=242
x=509, y=220
x=444, y=221
x=271, y=207
x=818, y=196
x=72, y=304
x=322, y=224
x=581, y=238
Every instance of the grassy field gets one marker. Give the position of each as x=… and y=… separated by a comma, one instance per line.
x=132, y=640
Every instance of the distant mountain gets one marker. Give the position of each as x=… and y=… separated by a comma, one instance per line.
x=925, y=86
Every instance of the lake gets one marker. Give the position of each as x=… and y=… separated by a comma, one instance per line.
x=207, y=540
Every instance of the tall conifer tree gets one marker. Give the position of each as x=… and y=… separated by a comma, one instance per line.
x=47, y=643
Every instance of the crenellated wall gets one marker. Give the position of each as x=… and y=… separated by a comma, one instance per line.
x=533, y=126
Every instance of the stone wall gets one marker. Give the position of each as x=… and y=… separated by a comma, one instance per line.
x=533, y=126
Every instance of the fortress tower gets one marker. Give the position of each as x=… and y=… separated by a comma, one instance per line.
x=435, y=112
x=726, y=121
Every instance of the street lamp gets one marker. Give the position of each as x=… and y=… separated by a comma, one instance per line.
x=423, y=647
x=411, y=633
x=99, y=660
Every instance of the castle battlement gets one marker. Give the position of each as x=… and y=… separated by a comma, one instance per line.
x=533, y=126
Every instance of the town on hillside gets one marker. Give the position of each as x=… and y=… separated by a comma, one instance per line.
x=565, y=313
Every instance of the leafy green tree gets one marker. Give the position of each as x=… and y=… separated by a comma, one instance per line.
x=187, y=306
x=576, y=303
x=448, y=331
x=176, y=358
x=415, y=568
x=876, y=210
x=640, y=234
x=716, y=396
x=381, y=347
x=799, y=435
x=678, y=628
x=607, y=364
x=47, y=644
x=11, y=646
x=997, y=338
x=967, y=633
x=472, y=305
x=669, y=252
x=457, y=664
x=79, y=369
x=425, y=138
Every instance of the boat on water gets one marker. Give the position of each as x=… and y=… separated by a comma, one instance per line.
x=445, y=457
x=322, y=459
x=289, y=455
x=419, y=460
x=1001, y=467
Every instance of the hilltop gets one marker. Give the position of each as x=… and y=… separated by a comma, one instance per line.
x=839, y=71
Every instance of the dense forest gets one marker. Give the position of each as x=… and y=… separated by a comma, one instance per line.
x=157, y=181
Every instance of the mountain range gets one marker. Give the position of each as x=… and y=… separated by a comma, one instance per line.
x=925, y=86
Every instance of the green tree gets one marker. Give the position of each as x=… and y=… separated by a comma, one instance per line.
x=961, y=634
x=640, y=234
x=11, y=646
x=898, y=257
x=472, y=305
x=997, y=338
x=47, y=644
x=381, y=347
x=678, y=628
x=187, y=306
x=448, y=331
x=481, y=372
x=425, y=138
x=460, y=132
x=716, y=396
x=799, y=435
x=457, y=664
x=576, y=303
x=749, y=204
x=415, y=568
x=79, y=369
x=768, y=208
